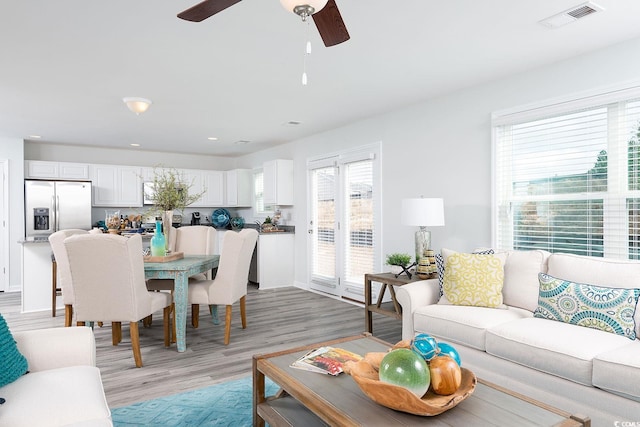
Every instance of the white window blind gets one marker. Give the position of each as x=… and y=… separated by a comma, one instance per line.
x=258, y=194
x=569, y=181
x=360, y=220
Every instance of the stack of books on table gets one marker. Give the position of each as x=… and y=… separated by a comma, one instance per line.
x=325, y=360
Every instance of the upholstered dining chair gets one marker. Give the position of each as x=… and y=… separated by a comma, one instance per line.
x=230, y=283
x=107, y=273
x=62, y=267
x=191, y=240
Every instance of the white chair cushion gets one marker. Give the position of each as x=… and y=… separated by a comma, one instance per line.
x=556, y=348
x=618, y=370
x=57, y=397
x=463, y=324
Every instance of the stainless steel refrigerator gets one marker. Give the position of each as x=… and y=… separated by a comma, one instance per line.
x=56, y=205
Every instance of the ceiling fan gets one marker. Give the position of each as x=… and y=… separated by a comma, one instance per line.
x=325, y=15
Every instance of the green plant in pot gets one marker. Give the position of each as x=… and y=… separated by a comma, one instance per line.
x=398, y=261
x=170, y=191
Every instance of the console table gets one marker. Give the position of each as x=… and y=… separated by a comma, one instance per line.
x=392, y=308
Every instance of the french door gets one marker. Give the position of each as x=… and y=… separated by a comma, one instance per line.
x=344, y=221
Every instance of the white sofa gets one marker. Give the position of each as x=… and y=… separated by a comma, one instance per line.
x=577, y=369
x=63, y=386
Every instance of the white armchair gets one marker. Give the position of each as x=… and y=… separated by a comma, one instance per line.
x=63, y=386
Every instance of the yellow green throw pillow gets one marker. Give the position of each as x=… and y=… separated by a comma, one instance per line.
x=474, y=280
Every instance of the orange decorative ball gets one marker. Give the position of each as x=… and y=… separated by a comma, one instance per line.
x=445, y=375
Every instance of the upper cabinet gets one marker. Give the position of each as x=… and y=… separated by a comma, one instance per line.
x=56, y=170
x=119, y=186
x=238, y=183
x=213, y=184
x=278, y=182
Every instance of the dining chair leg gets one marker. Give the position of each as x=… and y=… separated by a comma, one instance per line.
x=68, y=315
x=195, y=314
x=116, y=333
x=166, y=321
x=135, y=343
x=147, y=321
x=243, y=311
x=227, y=325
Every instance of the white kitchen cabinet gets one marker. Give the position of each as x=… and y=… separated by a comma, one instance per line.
x=56, y=170
x=274, y=260
x=118, y=186
x=238, y=184
x=194, y=180
x=278, y=182
x=213, y=183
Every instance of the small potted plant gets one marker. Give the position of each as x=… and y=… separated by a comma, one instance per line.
x=398, y=261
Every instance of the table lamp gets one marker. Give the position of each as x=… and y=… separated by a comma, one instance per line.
x=423, y=212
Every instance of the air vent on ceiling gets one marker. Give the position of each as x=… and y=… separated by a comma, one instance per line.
x=571, y=15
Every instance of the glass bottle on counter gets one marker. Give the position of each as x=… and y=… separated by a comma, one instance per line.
x=158, y=247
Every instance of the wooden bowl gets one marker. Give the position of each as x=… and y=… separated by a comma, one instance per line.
x=401, y=399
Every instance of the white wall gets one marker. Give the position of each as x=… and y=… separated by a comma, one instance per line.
x=438, y=148
x=13, y=151
x=442, y=148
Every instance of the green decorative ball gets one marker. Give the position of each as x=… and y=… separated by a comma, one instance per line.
x=406, y=368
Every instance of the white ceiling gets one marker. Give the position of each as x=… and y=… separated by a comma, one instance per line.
x=67, y=64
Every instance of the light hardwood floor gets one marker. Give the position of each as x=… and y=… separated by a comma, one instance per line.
x=276, y=319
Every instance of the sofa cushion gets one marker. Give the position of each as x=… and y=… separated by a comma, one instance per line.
x=473, y=280
x=607, y=309
x=63, y=396
x=521, y=270
x=441, y=261
x=597, y=271
x=12, y=363
x=556, y=348
x=463, y=324
x=618, y=370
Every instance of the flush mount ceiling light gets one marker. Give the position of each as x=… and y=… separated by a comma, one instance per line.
x=137, y=105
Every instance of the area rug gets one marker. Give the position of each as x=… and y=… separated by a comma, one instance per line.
x=225, y=404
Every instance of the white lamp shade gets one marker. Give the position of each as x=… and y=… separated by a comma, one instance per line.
x=423, y=212
x=317, y=5
x=137, y=105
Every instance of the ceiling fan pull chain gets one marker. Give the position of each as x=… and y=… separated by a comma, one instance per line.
x=306, y=53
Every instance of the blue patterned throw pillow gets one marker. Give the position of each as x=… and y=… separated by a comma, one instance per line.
x=12, y=363
x=597, y=307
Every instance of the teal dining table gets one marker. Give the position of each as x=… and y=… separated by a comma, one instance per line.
x=179, y=270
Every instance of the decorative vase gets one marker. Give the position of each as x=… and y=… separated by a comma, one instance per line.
x=158, y=245
x=167, y=221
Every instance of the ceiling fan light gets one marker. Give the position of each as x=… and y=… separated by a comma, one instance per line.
x=137, y=105
x=291, y=5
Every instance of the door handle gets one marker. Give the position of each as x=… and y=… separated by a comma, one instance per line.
x=310, y=231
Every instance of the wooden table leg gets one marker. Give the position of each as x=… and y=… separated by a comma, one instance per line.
x=258, y=393
x=368, y=319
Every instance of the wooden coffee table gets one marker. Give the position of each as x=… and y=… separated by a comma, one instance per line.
x=312, y=399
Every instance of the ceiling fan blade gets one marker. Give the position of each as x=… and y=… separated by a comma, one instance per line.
x=330, y=25
x=205, y=9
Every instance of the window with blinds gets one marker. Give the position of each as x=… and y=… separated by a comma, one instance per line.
x=567, y=177
x=258, y=194
x=359, y=216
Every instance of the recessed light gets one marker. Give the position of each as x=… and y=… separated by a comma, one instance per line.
x=212, y=138
x=135, y=145
x=292, y=123
x=242, y=142
x=35, y=136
